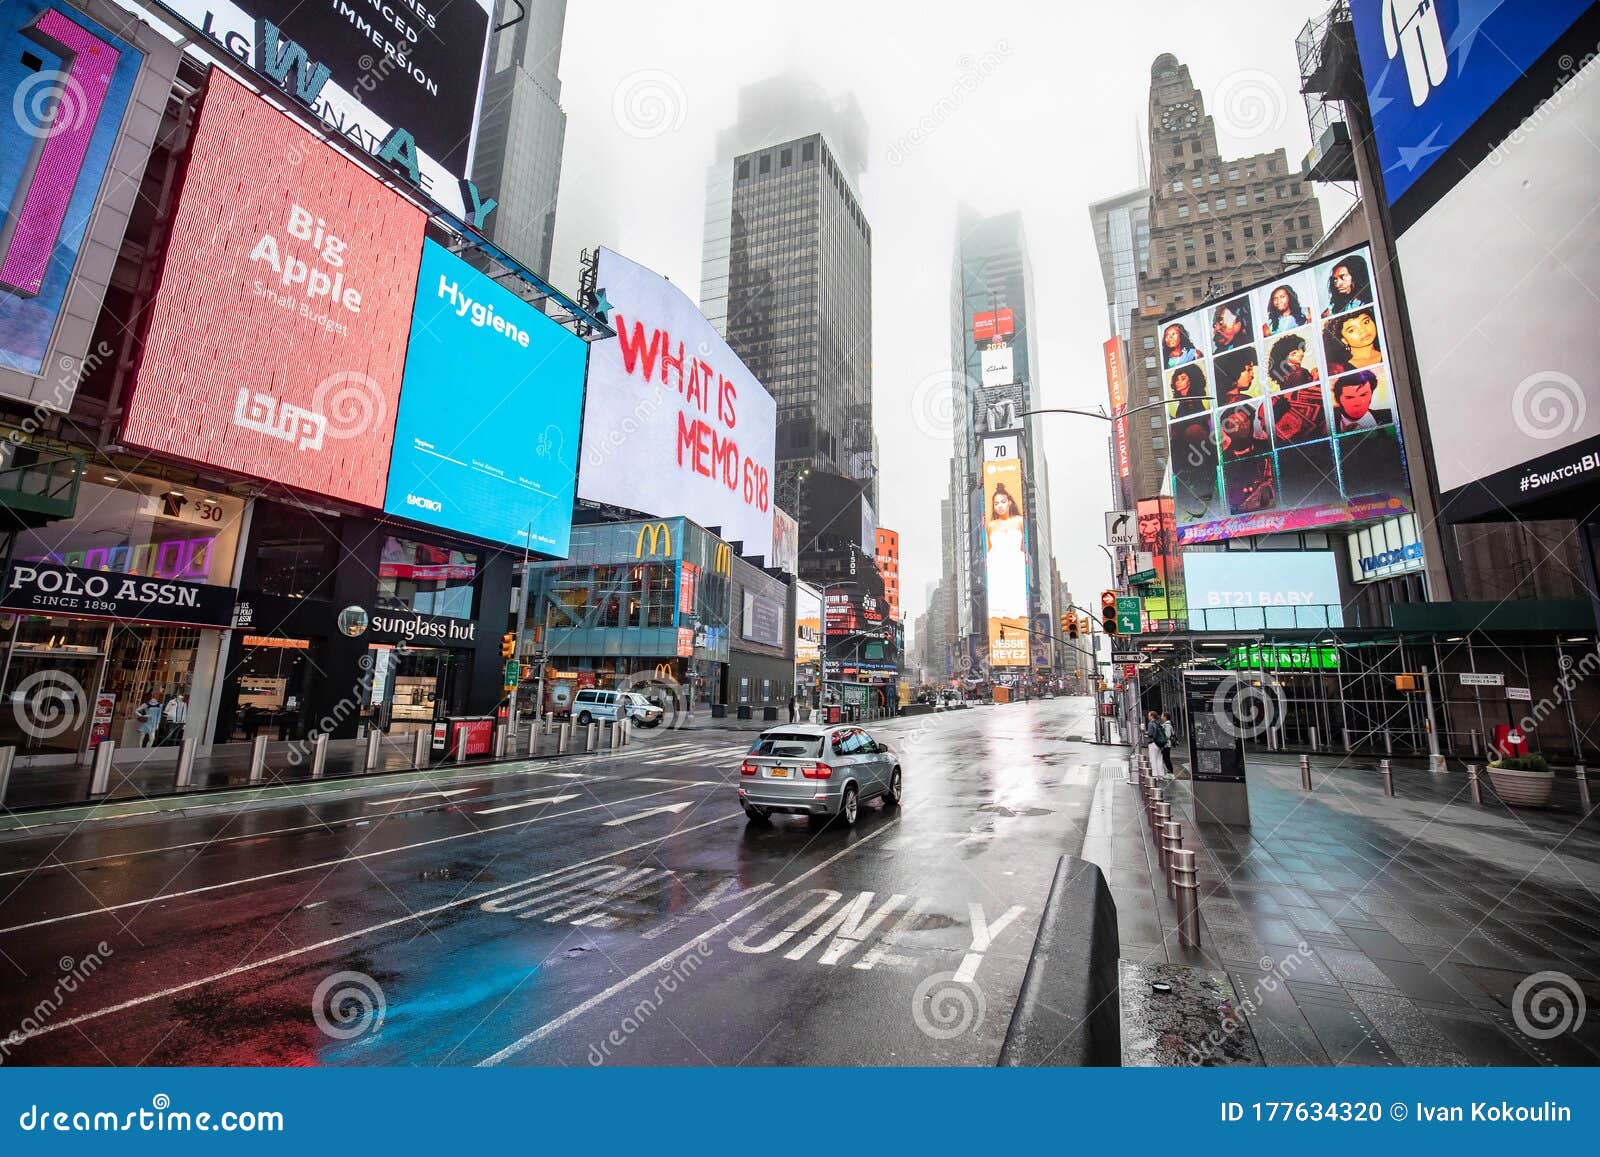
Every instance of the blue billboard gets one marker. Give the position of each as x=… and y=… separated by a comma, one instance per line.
x=486, y=442
x=1236, y=590
x=1434, y=67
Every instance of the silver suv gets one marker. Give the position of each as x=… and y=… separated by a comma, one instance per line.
x=818, y=771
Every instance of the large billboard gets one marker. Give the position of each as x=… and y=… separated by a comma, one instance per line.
x=1492, y=142
x=84, y=85
x=1434, y=68
x=1261, y=589
x=278, y=335
x=1005, y=547
x=486, y=442
x=1117, y=388
x=410, y=66
x=1163, y=595
x=1280, y=414
x=673, y=422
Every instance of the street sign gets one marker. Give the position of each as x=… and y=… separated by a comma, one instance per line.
x=1523, y=693
x=1121, y=529
x=1130, y=615
x=1130, y=671
x=1142, y=576
x=1482, y=679
x=513, y=674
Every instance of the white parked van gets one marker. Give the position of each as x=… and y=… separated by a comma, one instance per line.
x=593, y=705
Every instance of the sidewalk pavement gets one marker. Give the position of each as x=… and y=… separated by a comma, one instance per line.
x=1357, y=929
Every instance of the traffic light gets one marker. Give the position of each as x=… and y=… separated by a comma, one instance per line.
x=508, y=645
x=1108, y=612
x=1072, y=624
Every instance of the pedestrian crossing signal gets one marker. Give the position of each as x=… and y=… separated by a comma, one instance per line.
x=1069, y=624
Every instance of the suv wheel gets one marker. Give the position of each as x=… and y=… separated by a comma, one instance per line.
x=850, y=806
x=896, y=792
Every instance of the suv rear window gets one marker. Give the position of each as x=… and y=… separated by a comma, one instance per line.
x=788, y=746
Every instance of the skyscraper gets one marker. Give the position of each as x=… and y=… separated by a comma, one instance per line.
x=1215, y=225
x=522, y=130
x=992, y=305
x=799, y=306
x=1122, y=238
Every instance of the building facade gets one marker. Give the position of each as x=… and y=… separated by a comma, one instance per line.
x=1215, y=225
x=994, y=367
x=888, y=559
x=522, y=131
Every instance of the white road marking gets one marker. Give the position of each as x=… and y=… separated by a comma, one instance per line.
x=421, y=795
x=1079, y=775
x=424, y=914
x=326, y=864
x=655, y=966
x=674, y=808
x=511, y=807
x=684, y=782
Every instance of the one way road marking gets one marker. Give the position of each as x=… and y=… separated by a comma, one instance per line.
x=420, y=795
x=674, y=808
x=511, y=807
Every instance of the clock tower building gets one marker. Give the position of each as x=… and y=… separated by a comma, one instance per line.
x=1216, y=225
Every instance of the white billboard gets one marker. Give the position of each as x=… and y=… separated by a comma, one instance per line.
x=673, y=421
x=997, y=366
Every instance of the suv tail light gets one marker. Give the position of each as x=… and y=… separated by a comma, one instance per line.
x=817, y=771
x=747, y=768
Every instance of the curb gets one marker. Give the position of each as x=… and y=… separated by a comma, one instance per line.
x=1068, y=1013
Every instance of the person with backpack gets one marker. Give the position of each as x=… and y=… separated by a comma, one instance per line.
x=1172, y=733
x=1158, y=744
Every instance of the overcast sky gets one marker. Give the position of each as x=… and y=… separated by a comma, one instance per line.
x=1054, y=121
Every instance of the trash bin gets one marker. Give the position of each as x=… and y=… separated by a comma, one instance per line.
x=834, y=713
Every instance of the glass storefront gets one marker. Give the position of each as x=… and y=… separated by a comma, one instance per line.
x=271, y=682
x=410, y=687
x=429, y=579
x=69, y=683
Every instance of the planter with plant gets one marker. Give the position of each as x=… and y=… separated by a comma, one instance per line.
x=1523, y=780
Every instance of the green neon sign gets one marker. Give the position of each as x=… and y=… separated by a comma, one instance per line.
x=1284, y=657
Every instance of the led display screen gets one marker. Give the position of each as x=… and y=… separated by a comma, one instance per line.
x=78, y=83
x=1005, y=544
x=278, y=335
x=674, y=423
x=1260, y=589
x=487, y=438
x=1279, y=410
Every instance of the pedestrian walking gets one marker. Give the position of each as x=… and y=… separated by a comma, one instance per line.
x=1157, y=743
x=1172, y=733
x=793, y=711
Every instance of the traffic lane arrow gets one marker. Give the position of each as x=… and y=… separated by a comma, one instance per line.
x=674, y=808
x=511, y=807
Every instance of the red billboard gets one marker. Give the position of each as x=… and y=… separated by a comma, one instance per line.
x=278, y=336
x=995, y=323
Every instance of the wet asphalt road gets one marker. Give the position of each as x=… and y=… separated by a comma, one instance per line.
x=595, y=911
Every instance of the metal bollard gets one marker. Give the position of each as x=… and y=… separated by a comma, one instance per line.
x=319, y=755
x=374, y=745
x=8, y=757
x=1474, y=734
x=615, y=735
x=1305, y=773
x=1582, y=773
x=1347, y=746
x=461, y=746
x=1388, y=777
x=1158, y=827
x=1472, y=782
x=258, y=759
x=1313, y=731
x=185, y=776
x=1188, y=889
x=100, y=784
x=422, y=751
x=564, y=739
x=623, y=725
x=591, y=741
x=1130, y=773
x=1388, y=742
x=1171, y=841
x=499, y=740
x=1174, y=841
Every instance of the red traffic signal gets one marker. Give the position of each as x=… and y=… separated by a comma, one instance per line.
x=1108, y=612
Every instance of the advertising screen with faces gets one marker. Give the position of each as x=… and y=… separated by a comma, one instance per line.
x=1279, y=410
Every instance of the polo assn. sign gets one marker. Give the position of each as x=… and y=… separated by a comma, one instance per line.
x=44, y=589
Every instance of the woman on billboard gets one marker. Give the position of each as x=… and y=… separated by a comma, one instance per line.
x=1284, y=312
x=1188, y=387
x=1349, y=286
x=1177, y=346
x=1287, y=363
x=1007, y=558
x=1352, y=342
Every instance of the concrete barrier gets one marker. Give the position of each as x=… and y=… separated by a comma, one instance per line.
x=1068, y=1013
